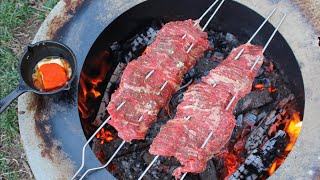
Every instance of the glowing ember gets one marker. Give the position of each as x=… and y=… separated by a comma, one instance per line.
x=271, y=89
x=292, y=129
x=259, y=86
x=230, y=163
x=105, y=136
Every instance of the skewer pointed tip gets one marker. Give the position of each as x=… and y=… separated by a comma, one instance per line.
x=274, y=32
x=260, y=27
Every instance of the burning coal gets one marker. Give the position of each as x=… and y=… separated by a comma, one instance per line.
x=293, y=127
x=105, y=136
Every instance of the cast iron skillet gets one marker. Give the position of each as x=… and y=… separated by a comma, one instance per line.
x=32, y=55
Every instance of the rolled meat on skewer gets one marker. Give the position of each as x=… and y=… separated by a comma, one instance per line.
x=204, y=110
x=148, y=82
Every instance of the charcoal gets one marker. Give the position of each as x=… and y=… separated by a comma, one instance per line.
x=115, y=46
x=129, y=57
x=210, y=172
x=221, y=36
x=239, y=120
x=256, y=137
x=125, y=164
x=147, y=157
x=266, y=82
x=260, y=72
x=230, y=38
x=208, y=54
x=204, y=64
x=254, y=99
x=250, y=119
x=218, y=56
x=226, y=49
x=261, y=116
x=191, y=73
x=211, y=45
x=141, y=41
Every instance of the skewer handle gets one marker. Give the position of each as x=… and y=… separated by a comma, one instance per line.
x=104, y=166
x=86, y=144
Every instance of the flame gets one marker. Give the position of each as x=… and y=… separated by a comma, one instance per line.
x=89, y=83
x=292, y=128
x=105, y=136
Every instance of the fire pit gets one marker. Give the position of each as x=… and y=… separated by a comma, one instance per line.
x=53, y=123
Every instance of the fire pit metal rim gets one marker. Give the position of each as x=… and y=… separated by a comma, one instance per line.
x=300, y=40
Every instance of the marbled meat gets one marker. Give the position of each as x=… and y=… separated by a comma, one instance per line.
x=204, y=110
x=164, y=63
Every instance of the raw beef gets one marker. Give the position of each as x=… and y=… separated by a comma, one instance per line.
x=168, y=59
x=204, y=110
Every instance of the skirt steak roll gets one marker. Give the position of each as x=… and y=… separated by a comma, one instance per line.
x=204, y=110
x=148, y=82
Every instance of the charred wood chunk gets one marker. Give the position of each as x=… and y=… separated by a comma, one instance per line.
x=254, y=99
x=256, y=137
x=274, y=147
x=259, y=161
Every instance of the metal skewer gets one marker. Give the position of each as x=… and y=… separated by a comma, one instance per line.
x=257, y=31
x=207, y=23
x=104, y=166
x=187, y=118
x=85, y=145
x=90, y=139
x=121, y=104
x=202, y=16
x=149, y=166
x=265, y=47
x=149, y=74
x=213, y=14
x=269, y=40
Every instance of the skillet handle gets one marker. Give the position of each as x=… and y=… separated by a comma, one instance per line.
x=6, y=101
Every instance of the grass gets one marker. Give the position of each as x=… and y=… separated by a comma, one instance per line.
x=14, y=14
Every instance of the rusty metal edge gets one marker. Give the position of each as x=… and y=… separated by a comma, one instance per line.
x=58, y=165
